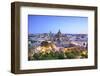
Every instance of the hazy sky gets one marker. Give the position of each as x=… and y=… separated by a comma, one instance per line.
x=67, y=24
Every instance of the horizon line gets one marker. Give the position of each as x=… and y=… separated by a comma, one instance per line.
x=56, y=33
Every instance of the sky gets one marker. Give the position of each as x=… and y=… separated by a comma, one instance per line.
x=66, y=24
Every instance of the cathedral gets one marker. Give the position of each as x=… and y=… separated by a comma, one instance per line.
x=58, y=37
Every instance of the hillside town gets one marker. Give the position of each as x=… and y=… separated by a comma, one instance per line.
x=46, y=43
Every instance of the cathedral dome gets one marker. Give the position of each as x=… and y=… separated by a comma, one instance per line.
x=59, y=34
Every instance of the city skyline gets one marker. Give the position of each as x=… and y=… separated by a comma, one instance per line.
x=66, y=24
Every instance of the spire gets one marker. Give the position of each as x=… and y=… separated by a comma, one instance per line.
x=59, y=32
